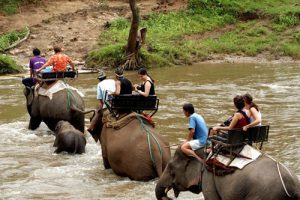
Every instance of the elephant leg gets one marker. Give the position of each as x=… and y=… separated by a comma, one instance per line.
x=106, y=163
x=81, y=145
x=58, y=150
x=34, y=123
x=104, y=157
x=55, y=144
x=78, y=121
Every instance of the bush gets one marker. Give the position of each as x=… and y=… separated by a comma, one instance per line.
x=9, y=38
x=8, y=65
x=11, y=6
x=109, y=56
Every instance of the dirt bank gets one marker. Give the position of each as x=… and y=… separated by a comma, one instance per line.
x=75, y=25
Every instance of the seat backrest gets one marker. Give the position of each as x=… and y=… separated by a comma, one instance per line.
x=235, y=136
x=258, y=133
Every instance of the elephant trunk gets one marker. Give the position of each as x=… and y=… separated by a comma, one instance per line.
x=161, y=192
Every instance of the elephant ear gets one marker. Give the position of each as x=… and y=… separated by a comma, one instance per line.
x=193, y=175
x=187, y=172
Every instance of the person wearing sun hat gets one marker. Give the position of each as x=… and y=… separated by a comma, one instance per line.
x=104, y=86
x=123, y=85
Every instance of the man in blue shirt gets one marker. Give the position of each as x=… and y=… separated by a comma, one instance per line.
x=198, y=132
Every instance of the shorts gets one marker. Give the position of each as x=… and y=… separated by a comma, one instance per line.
x=195, y=144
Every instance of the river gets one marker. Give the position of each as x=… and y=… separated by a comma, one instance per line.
x=30, y=170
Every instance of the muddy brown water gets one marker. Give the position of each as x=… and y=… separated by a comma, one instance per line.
x=30, y=170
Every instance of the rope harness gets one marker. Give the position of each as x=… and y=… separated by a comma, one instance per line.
x=69, y=95
x=280, y=176
x=149, y=135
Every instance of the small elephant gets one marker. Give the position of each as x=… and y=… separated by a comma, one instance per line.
x=68, y=139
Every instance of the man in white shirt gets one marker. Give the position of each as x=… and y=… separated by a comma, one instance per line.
x=104, y=88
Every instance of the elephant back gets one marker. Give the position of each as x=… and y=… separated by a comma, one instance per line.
x=117, y=123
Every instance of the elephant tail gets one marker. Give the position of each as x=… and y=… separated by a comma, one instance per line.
x=84, y=111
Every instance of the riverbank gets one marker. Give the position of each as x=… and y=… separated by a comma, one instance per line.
x=244, y=31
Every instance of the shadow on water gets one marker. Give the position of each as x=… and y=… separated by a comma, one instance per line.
x=30, y=170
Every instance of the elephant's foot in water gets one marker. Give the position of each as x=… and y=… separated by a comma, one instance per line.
x=34, y=123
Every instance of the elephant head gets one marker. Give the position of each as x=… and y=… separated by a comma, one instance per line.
x=29, y=94
x=183, y=173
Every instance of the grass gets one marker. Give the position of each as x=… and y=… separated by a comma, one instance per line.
x=165, y=31
x=178, y=37
x=8, y=65
x=9, y=38
x=11, y=6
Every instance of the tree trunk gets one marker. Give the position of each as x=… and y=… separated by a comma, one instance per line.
x=132, y=38
x=132, y=50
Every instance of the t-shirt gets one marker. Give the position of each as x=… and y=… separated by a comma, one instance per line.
x=197, y=122
x=59, y=62
x=108, y=85
x=36, y=62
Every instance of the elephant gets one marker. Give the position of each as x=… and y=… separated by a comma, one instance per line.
x=136, y=150
x=65, y=105
x=262, y=179
x=69, y=139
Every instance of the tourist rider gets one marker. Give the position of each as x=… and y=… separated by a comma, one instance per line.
x=197, y=136
x=147, y=87
x=255, y=114
x=123, y=85
x=239, y=119
x=35, y=63
x=59, y=61
x=105, y=87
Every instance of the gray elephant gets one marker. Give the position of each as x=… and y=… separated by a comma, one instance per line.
x=69, y=139
x=136, y=150
x=263, y=179
x=65, y=105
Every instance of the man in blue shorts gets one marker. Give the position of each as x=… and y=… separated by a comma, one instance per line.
x=198, y=132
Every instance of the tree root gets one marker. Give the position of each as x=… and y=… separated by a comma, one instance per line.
x=132, y=62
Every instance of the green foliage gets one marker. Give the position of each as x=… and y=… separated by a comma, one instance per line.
x=296, y=36
x=9, y=38
x=292, y=50
x=11, y=6
x=111, y=55
x=120, y=24
x=282, y=22
x=8, y=65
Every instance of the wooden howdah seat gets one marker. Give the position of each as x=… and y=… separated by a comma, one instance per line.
x=238, y=137
x=53, y=76
x=135, y=103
